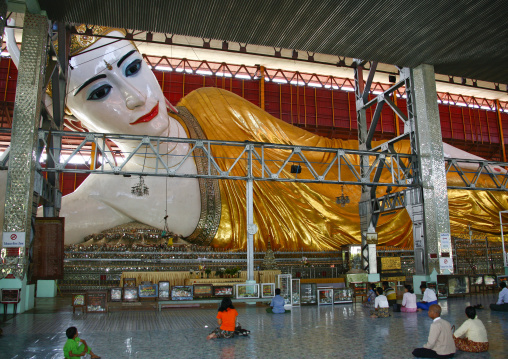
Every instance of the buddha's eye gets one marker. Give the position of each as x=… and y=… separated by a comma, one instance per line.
x=133, y=68
x=100, y=93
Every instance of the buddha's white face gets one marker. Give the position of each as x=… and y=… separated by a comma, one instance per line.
x=112, y=90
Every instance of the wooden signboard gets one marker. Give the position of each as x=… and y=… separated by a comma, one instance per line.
x=48, y=248
x=96, y=302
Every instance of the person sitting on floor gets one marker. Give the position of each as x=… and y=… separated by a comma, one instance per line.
x=371, y=296
x=390, y=293
x=471, y=335
x=73, y=348
x=277, y=304
x=408, y=300
x=440, y=342
x=226, y=318
x=502, y=302
x=380, y=305
x=429, y=298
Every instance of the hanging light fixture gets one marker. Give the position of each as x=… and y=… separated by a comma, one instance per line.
x=140, y=189
x=342, y=200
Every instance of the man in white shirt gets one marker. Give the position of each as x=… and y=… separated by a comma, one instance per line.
x=429, y=298
x=502, y=302
x=440, y=343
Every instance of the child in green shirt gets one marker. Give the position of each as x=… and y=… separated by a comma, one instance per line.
x=72, y=347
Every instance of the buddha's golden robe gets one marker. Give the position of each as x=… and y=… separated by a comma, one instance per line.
x=294, y=216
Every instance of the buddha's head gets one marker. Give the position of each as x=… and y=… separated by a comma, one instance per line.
x=111, y=89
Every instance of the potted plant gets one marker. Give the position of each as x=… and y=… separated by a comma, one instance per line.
x=227, y=272
x=219, y=272
x=208, y=271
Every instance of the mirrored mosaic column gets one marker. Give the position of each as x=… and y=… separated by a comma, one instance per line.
x=432, y=166
x=27, y=114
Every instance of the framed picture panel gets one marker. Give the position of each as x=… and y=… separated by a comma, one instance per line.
x=247, y=291
x=182, y=292
x=164, y=290
x=148, y=291
x=96, y=302
x=223, y=291
x=267, y=290
x=130, y=294
x=203, y=290
x=115, y=294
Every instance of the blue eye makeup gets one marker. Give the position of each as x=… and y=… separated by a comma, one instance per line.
x=133, y=68
x=100, y=92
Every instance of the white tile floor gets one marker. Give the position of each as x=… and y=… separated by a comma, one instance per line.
x=340, y=331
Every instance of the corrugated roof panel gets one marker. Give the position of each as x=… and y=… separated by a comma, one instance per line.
x=461, y=38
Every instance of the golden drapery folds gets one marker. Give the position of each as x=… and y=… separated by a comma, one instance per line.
x=295, y=216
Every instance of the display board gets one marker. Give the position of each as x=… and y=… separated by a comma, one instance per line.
x=295, y=290
x=115, y=294
x=182, y=292
x=96, y=302
x=223, y=291
x=164, y=290
x=129, y=282
x=78, y=299
x=390, y=269
x=308, y=293
x=10, y=296
x=203, y=290
x=285, y=285
x=148, y=291
x=502, y=278
x=267, y=290
x=342, y=295
x=48, y=248
x=325, y=296
x=489, y=280
x=130, y=294
x=247, y=291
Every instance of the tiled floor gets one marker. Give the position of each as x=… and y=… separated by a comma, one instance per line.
x=340, y=331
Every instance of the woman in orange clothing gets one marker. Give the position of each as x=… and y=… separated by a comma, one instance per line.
x=226, y=318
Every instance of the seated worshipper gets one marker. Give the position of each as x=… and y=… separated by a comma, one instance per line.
x=277, y=304
x=380, y=305
x=73, y=348
x=390, y=293
x=408, y=300
x=371, y=296
x=429, y=298
x=502, y=302
x=471, y=335
x=226, y=319
x=440, y=343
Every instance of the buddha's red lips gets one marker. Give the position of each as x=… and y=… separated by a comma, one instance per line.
x=149, y=116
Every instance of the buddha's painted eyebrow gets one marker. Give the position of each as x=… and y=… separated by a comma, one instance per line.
x=89, y=81
x=124, y=57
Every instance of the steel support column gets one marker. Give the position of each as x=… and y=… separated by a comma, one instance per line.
x=431, y=163
x=251, y=226
x=27, y=114
x=365, y=208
